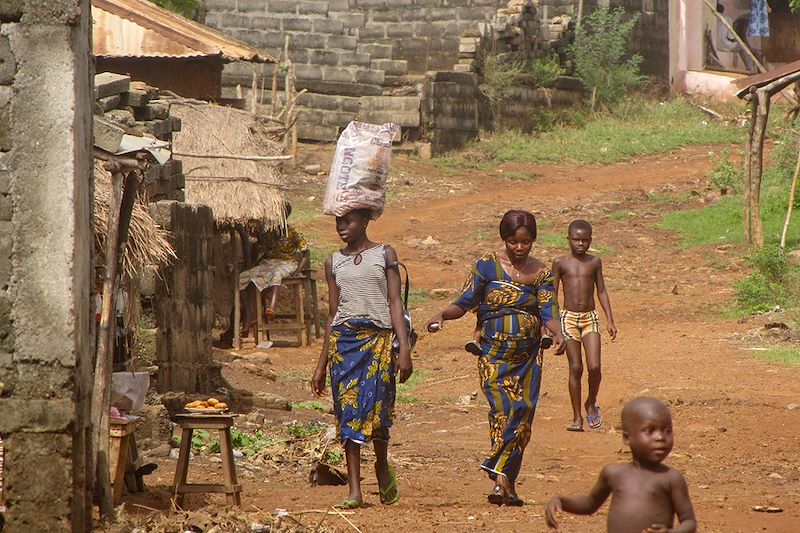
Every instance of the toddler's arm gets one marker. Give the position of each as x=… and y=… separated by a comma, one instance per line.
x=586, y=504
x=682, y=504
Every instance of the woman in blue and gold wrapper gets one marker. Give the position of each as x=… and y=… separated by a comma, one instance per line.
x=365, y=311
x=515, y=300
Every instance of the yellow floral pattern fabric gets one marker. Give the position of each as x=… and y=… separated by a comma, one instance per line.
x=362, y=380
x=510, y=316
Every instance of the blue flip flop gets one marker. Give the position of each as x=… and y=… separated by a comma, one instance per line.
x=595, y=421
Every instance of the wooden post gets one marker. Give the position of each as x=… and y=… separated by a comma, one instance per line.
x=237, y=312
x=119, y=215
x=757, y=164
x=580, y=15
x=747, y=218
x=791, y=201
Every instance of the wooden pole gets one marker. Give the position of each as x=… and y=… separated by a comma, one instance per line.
x=791, y=201
x=741, y=42
x=120, y=207
x=580, y=15
x=237, y=157
x=254, y=92
x=757, y=163
x=747, y=218
x=237, y=312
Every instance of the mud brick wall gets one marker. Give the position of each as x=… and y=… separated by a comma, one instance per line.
x=183, y=303
x=650, y=36
x=46, y=338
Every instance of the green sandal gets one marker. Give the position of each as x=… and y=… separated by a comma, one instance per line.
x=391, y=493
x=347, y=503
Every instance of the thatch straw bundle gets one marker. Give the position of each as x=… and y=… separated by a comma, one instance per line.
x=237, y=190
x=147, y=242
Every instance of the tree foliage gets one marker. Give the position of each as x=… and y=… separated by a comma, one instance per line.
x=187, y=8
x=601, y=57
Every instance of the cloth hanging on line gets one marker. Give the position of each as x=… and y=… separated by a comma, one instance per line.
x=758, y=25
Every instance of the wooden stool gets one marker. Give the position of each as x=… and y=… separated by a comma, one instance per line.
x=221, y=423
x=296, y=323
x=121, y=432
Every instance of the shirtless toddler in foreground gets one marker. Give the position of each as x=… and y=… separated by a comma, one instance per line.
x=646, y=494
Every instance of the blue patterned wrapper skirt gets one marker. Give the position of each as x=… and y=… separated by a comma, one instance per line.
x=362, y=380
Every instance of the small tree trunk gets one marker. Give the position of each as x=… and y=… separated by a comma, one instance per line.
x=758, y=165
x=791, y=202
x=747, y=218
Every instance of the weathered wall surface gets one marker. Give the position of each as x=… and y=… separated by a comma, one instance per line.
x=46, y=342
x=378, y=60
x=183, y=303
x=650, y=36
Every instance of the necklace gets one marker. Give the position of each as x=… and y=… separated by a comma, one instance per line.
x=515, y=271
x=357, y=257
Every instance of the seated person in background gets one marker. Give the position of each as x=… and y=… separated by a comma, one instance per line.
x=284, y=254
x=727, y=42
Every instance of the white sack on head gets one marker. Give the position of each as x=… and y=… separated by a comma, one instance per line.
x=359, y=170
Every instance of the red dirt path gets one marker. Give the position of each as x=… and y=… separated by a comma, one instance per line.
x=736, y=440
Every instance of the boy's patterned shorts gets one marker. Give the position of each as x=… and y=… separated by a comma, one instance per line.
x=575, y=325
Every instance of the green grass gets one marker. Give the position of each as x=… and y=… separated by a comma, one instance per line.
x=404, y=390
x=780, y=355
x=419, y=296
x=520, y=176
x=721, y=223
x=619, y=215
x=315, y=405
x=549, y=239
x=642, y=127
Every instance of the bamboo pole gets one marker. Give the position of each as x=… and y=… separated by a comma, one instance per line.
x=791, y=202
x=237, y=312
x=238, y=157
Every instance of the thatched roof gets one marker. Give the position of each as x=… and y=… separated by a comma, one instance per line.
x=147, y=242
x=238, y=191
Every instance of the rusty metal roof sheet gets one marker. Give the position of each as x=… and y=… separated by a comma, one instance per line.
x=139, y=28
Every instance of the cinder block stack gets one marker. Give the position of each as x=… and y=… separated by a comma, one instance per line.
x=135, y=108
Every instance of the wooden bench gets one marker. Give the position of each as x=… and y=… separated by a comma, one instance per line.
x=215, y=422
x=122, y=447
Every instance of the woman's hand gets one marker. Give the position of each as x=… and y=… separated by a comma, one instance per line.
x=558, y=341
x=404, y=365
x=318, y=381
x=437, y=319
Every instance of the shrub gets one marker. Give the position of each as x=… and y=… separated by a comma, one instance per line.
x=499, y=75
x=599, y=53
x=725, y=176
x=546, y=70
x=772, y=282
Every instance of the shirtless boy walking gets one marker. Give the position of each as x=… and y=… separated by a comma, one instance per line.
x=581, y=274
x=646, y=494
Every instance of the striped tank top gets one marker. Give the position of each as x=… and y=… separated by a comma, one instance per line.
x=363, y=292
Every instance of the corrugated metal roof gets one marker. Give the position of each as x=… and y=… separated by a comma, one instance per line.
x=139, y=28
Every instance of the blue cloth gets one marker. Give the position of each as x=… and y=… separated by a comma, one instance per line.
x=758, y=25
x=510, y=315
x=362, y=380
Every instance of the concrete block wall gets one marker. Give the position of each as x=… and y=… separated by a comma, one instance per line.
x=650, y=36
x=183, y=302
x=46, y=319
x=452, y=109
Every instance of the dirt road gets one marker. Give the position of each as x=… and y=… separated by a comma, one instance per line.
x=736, y=440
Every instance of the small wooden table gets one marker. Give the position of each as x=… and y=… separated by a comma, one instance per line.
x=121, y=432
x=221, y=423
